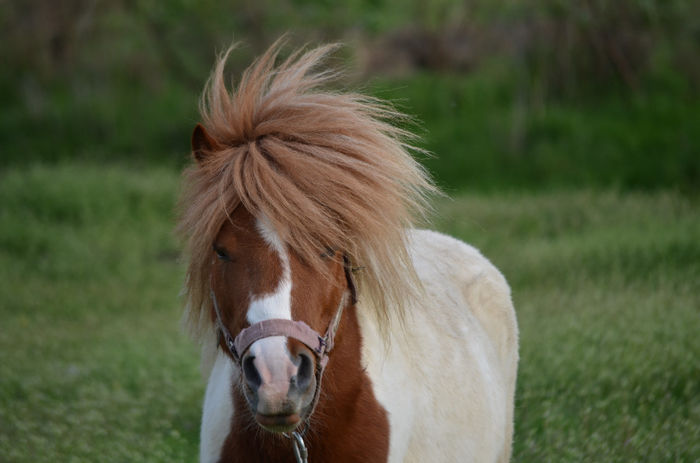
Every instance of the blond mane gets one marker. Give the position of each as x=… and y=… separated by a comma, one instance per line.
x=328, y=169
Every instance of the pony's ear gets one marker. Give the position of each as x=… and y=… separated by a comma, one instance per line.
x=202, y=144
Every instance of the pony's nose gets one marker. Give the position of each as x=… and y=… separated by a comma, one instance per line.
x=279, y=382
x=278, y=376
x=298, y=381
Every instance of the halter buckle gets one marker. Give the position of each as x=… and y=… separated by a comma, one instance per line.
x=322, y=343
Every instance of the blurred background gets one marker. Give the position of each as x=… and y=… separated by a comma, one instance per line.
x=567, y=134
x=528, y=93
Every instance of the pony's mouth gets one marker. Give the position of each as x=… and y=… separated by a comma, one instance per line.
x=278, y=423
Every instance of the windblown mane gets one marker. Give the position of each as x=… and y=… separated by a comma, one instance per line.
x=328, y=169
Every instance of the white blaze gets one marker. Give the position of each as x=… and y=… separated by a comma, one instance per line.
x=272, y=357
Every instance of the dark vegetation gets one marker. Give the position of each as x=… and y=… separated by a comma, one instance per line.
x=511, y=94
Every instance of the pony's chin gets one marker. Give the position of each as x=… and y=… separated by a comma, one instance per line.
x=278, y=423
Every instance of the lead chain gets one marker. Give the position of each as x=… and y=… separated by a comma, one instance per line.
x=300, y=451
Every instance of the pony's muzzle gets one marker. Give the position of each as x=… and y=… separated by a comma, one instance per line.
x=278, y=384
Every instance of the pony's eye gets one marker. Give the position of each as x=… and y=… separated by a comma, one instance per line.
x=221, y=254
x=330, y=252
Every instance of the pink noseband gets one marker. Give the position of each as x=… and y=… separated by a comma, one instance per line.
x=281, y=327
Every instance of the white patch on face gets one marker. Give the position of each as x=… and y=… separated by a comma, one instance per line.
x=272, y=357
x=277, y=304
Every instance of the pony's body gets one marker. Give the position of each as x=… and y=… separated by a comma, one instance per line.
x=446, y=379
x=322, y=312
x=455, y=362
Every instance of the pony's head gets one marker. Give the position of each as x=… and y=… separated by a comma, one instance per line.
x=256, y=279
x=290, y=186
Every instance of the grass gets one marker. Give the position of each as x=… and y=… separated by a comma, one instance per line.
x=94, y=366
x=606, y=288
x=92, y=363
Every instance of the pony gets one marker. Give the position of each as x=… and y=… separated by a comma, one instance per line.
x=332, y=329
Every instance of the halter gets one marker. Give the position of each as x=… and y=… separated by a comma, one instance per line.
x=319, y=345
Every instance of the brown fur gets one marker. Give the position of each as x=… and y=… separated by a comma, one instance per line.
x=326, y=168
x=348, y=425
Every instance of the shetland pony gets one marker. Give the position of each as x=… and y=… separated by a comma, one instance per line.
x=331, y=329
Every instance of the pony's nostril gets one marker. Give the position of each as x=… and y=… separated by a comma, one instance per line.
x=304, y=372
x=250, y=372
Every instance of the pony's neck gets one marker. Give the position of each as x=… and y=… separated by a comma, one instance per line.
x=348, y=424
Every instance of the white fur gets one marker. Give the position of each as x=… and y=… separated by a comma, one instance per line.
x=218, y=409
x=448, y=380
x=278, y=304
x=275, y=305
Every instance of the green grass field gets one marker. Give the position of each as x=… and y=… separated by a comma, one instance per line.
x=95, y=367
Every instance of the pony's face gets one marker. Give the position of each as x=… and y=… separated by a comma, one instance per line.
x=255, y=277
